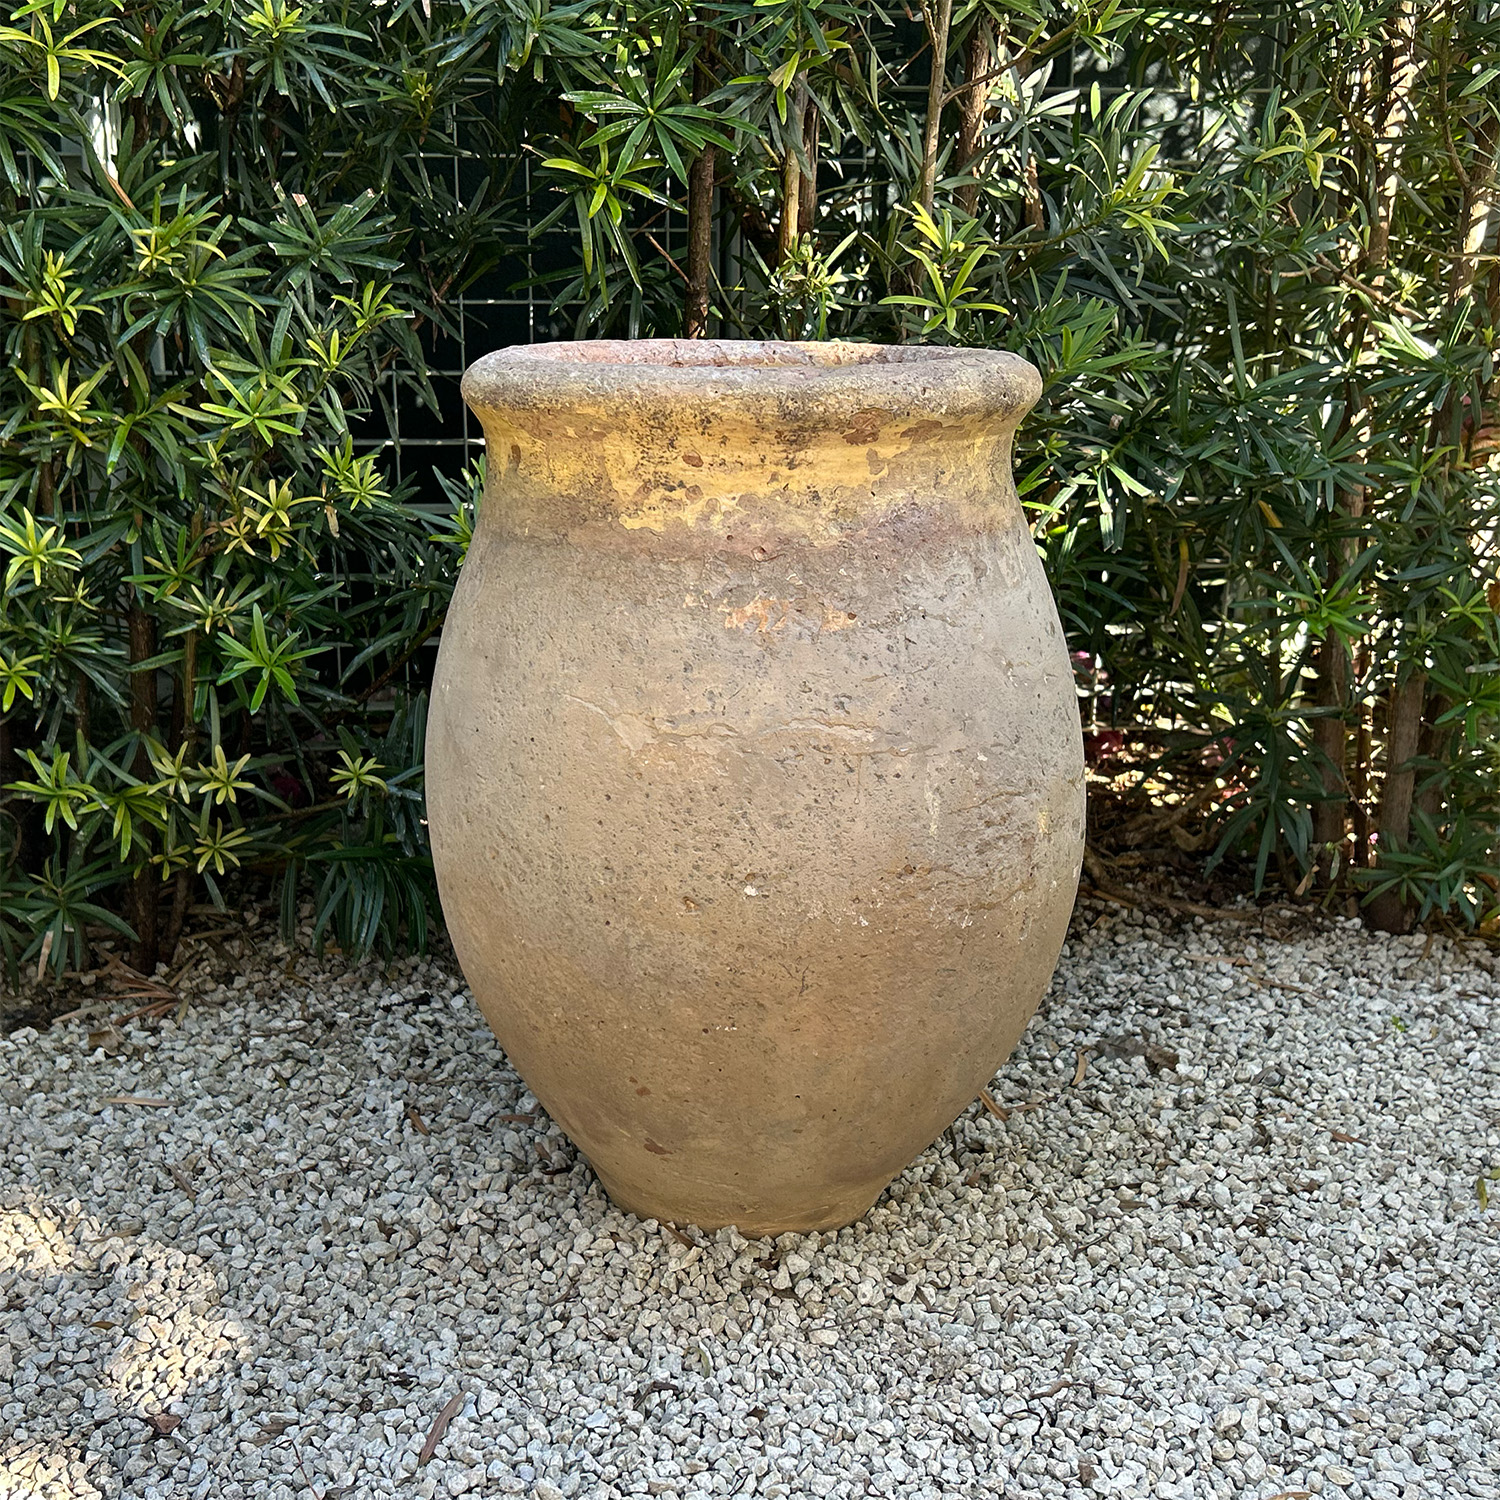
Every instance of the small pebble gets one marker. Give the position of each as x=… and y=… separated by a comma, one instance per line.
x=1242, y=1255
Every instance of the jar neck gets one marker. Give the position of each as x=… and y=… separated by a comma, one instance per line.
x=769, y=478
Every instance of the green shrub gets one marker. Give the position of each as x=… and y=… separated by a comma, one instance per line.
x=211, y=592
x=1253, y=258
x=1252, y=253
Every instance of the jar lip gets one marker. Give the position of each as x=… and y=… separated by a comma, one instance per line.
x=901, y=377
x=734, y=354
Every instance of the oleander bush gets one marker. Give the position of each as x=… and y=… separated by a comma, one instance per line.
x=214, y=241
x=1251, y=248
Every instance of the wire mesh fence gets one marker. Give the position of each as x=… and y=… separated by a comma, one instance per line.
x=514, y=301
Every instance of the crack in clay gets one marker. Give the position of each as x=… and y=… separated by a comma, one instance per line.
x=795, y=726
x=636, y=731
x=1000, y=794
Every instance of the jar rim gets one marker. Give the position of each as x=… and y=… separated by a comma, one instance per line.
x=735, y=354
x=897, y=377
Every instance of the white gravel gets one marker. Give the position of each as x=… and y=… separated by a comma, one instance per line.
x=1242, y=1255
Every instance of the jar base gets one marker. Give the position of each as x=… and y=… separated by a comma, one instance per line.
x=809, y=1214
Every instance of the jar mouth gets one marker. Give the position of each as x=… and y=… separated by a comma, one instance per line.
x=816, y=383
x=738, y=354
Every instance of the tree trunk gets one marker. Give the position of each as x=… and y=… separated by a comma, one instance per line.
x=182, y=892
x=973, y=106
x=1035, y=219
x=1413, y=727
x=1474, y=215
x=1330, y=735
x=700, y=217
x=937, y=16
x=791, y=185
x=143, y=889
x=1436, y=745
x=1397, y=78
x=807, y=187
x=700, y=242
x=1364, y=749
x=82, y=715
x=1389, y=134
x=184, y=733
x=1388, y=912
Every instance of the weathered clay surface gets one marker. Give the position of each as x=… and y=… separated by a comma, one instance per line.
x=754, y=769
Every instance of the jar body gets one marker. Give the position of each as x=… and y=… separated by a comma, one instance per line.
x=757, y=823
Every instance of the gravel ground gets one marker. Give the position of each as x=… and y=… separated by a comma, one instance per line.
x=1222, y=1237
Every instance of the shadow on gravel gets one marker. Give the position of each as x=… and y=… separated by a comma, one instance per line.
x=104, y=1333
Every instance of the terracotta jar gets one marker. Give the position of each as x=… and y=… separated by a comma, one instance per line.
x=754, y=770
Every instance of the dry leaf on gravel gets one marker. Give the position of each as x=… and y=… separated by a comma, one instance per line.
x=440, y=1426
x=109, y=1039
x=272, y=1429
x=988, y=1100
